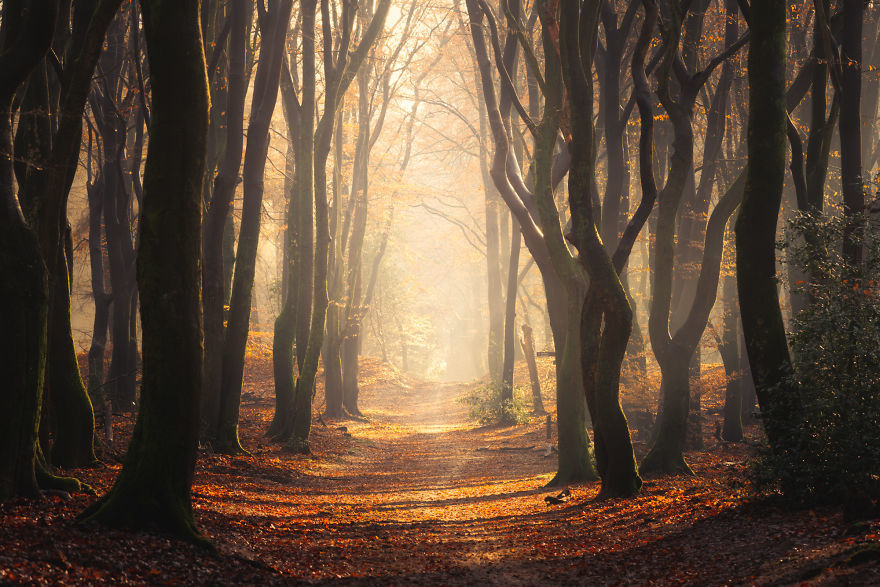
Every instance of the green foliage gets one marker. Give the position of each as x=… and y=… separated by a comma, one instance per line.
x=835, y=456
x=486, y=407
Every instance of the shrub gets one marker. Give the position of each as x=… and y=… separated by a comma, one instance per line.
x=835, y=341
x=485, y=406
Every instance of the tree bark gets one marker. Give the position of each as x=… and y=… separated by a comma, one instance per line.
x=153, y=488
x=528, y=346
x=273, y=24
x=756, y=226
x=850, y=129
x=218, y=211
x=24, y=291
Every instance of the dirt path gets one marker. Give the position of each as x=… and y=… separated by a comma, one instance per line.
x=412, y=491
x=417, y=495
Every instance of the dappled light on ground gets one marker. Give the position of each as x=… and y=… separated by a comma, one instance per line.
x=418, y=494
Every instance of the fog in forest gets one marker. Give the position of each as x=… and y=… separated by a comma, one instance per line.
x=431, y=291
x=365, y=289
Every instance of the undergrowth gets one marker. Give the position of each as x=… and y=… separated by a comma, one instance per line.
x=486, y=407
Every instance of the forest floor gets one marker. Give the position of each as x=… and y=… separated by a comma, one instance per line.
x=418, y=494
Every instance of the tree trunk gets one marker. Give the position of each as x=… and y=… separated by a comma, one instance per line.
x=274, y=28
x=73, y=418
x=601, y=355
x=352, y=346
x=728, y=346
x=493, y=266
x=97, y=349
x=850, y=129
x=507, y=398
x=24, y=289
x=292, y=324
x=216, y=218
x=528, y=346
x=47, y=190
x=153, y=488
x=756, y=226
x=337, y=79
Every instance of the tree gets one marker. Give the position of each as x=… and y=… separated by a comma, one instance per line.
x=153, y=488
x=602, y=346
x=217, y=214
x=313, y=223
x=117, y=105
x=850, y=126
x=539, y=220
x=274, y=22
x=675, y=348
x=756, y=225
x=44, y=191
x=24, y=290
x=375, y=92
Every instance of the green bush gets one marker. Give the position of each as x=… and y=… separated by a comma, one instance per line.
x=485, y=406
x=835, y=344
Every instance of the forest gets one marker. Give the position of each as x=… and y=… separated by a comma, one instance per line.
x=440, y=292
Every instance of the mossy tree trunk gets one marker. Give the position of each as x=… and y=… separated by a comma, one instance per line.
x=24, y=294
x=153, y=488
x=46, y=192
x=72, y=416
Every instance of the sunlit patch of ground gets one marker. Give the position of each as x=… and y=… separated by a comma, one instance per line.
x=417, y=494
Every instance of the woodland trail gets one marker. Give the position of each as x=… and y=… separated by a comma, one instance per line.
x=414, y=490
x=418, y=494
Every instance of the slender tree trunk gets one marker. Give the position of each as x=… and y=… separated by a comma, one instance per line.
x=850, y=128
x=728, y=346
x=97, y=349
x=266, y=82
x=493, y=267
x=218, y=212
x=507, y=398
x=528, y=346
x=352, y=346
x=293, y=322
x=756, y=226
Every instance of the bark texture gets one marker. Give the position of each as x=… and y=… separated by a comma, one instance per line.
x=153, y=488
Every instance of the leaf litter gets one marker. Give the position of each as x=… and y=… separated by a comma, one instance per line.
x=417, y=494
